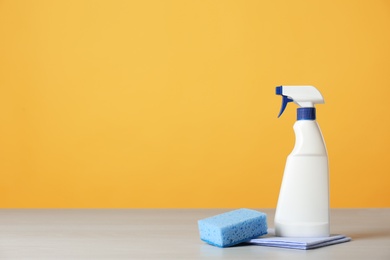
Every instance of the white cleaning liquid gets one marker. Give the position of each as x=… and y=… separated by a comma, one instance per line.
x=303, y=204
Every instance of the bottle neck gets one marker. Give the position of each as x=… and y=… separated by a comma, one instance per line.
x=306, y=113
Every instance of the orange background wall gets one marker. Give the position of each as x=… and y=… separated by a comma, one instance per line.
x=172, y=103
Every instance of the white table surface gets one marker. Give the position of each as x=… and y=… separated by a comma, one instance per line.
x=169, y=234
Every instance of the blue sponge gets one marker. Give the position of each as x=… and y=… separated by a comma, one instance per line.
x=233, y=227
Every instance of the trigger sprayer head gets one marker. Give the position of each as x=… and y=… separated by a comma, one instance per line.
x=303, y=96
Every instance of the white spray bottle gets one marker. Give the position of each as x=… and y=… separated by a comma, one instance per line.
x=303, y=204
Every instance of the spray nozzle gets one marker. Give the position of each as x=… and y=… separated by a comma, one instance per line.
x=303, y=96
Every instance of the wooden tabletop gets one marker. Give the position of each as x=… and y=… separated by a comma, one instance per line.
x=169, y=234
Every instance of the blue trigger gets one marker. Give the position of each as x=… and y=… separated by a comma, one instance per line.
x=285, y=100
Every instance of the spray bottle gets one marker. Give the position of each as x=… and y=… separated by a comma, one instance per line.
x=303, y=204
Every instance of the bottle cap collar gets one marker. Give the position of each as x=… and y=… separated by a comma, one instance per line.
x=306, y=113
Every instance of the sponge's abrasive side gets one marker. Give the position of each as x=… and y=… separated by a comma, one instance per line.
x=233, y=227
